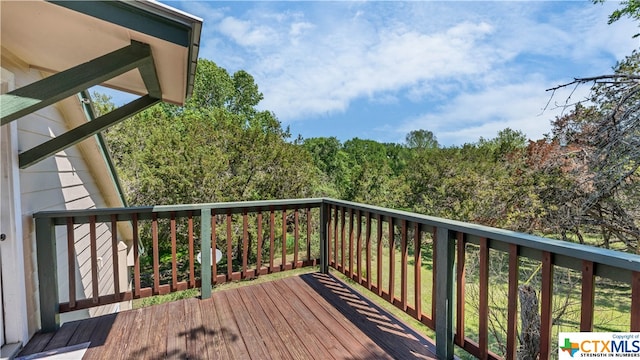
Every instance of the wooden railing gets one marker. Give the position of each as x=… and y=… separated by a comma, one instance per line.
x=368, y=244
x=254, y=238
x=405, y=258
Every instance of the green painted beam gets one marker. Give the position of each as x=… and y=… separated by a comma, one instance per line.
x=445, y=250
x=150, y=78
x=134, y=18
x=82, y=132
x=35, y=96
x=47, y=275
x=205, y=253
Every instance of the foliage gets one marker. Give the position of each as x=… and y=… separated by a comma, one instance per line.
x=421, y=139
x=630, y=8
x=216, y=148
x=580, y=181
x=600, y=159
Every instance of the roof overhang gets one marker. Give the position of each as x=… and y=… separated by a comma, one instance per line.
x=140, y=47
x=58, y=35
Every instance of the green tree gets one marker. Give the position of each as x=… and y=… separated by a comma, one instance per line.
x=216, y=148
x=330, y=162
x=421, y=139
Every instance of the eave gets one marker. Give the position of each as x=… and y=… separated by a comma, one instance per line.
x=141, y=47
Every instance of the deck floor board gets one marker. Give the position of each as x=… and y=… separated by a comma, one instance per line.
x=176, y=335
x=311, y=316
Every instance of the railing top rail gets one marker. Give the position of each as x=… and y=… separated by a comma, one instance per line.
x=612, y=258
x=250, y=206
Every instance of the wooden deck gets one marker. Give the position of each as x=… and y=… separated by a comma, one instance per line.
x=302, y=317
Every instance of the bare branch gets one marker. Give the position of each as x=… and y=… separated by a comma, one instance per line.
x=597, y=79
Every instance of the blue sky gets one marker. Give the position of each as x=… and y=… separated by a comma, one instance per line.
x=378, y=70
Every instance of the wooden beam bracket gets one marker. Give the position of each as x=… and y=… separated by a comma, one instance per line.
x=35, y=96
x=74, y=136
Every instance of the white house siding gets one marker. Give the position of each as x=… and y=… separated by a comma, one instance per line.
x=63, y=181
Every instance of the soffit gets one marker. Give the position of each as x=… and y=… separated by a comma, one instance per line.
x=53, y=38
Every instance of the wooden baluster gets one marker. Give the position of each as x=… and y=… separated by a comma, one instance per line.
x=335, y=239
x=358, y=247
x=114, y=255
x=174, y=250
x=546, y=306
x=434, y=273
x=272, y=239
x=635, y=301
x=417, y=270
x=192, y=271
x=368, y=249
x=154, y=251
x=330, y=227
x=587, y=296
x=259, y=249
x=379, y=254
x=512, y=308
x=392, y=262
x=214, y=246
x=342, y=243
x=229, y=247
x=94, y=259
x=309, y=260
x=296, y=237
x=245, y=241
x=483, y=331
x=350, y=252
x=404, y=276
x=71, y=261
x=136, y=257
x=283, y=264
x=460, y=287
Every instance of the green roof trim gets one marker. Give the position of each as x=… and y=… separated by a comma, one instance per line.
x=134, y=18
x=151, y=18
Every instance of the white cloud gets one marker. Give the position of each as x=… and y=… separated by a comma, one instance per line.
x=324, y=72
x=470, y=69
x=298, y=28
x=245, y=33
x=470, y=116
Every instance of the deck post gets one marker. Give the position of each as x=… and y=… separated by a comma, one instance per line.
x=324, y=244
x=444, y=293
x=48, y=274
x=205, y=253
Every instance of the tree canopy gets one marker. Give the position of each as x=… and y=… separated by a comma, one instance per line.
x=578, y=183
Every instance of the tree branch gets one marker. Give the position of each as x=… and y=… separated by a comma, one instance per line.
x=596, y=79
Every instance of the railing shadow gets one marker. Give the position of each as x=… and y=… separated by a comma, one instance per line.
x=396, y=338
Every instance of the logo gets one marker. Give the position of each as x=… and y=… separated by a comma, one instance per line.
x=600, y=345
x=570, y=347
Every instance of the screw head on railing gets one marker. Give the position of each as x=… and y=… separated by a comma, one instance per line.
x=3, y=237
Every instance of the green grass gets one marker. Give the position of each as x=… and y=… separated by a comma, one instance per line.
x=161, y=299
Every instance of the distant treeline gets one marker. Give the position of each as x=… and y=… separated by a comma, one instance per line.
x=579, y=183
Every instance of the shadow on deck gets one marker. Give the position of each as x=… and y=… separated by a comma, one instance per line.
x=300, y=317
